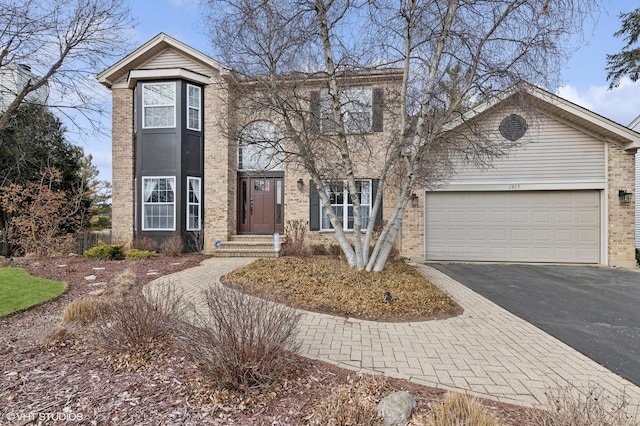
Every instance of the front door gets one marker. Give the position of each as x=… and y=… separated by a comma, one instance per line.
x=260, y=205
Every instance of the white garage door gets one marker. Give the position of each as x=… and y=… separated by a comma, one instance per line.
x=519, y=226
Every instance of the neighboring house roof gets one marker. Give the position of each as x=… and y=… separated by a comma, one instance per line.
x=154, y=47
x=563, y=110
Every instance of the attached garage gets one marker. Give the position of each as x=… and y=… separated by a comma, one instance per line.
x=513, y=226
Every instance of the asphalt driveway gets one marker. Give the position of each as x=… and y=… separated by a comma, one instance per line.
x=595, y=310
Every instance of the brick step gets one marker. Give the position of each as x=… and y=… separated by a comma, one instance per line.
x=222, y=252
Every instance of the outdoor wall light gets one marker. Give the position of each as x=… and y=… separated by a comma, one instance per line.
x=300, y=184
x=625, y=197
x=414, y=200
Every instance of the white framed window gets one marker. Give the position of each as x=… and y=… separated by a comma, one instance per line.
x=260, y=147
x=338, y=193
x=194, y=102
x=158, y=105
x=158, y=203
x=194, y=205
x=356, y=108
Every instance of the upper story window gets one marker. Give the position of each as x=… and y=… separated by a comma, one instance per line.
x=260, y=147
x=194, y=101
x=356, y=108
x=158, y=105
x=361, y=110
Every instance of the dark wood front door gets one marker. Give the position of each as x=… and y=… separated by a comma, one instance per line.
x=260, y=204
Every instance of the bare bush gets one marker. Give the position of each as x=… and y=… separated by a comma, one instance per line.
x=136, y=322
x=242, y=342
x=196, y=241
x=353, y=403
x=569, y=406
x=146, y=244
x=296, y=231
x=172, y=246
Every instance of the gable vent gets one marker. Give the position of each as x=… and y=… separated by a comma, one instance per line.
x=513, y=127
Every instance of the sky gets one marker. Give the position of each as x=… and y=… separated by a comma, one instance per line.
x=584, y=77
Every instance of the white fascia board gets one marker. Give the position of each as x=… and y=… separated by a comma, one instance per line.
x=164, y=74
x=521, y=186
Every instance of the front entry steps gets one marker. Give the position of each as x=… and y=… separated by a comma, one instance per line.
x=248, y=246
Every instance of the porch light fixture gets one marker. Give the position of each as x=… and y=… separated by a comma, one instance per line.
x=414, y=200
x=300, y=184
x=625, y=197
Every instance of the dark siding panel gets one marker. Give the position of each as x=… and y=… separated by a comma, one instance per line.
x=159, y=152
x=193, y=155
x=314, y=207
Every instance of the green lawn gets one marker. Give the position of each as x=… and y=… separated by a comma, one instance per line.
x=19, y=290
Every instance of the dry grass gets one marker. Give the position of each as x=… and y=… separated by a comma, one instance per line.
x=458, y=409
x=329, y=285
x=353, y=403
x=85, y=310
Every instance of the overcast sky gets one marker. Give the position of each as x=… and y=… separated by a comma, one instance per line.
x=584, y=77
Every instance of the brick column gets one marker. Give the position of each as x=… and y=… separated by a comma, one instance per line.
x=123, y=166
x=621, y=235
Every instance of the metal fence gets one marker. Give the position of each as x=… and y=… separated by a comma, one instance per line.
x=84, y=241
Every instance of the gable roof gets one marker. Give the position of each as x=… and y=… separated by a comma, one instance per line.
x=565, y=111
x=151, y=49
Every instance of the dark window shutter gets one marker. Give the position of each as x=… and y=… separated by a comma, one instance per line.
x=374, y=191
x=314, y=106
x=314, y=207
x=377, y=117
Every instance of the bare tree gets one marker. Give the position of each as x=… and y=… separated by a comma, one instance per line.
x=51, y=50
x=442, y=56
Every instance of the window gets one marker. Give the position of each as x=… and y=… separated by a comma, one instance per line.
x=356, y=108
x=260, y=147
x=193, y=204
x=342, y=204
x=158, y=105
x=158, y=204
x=193, y=107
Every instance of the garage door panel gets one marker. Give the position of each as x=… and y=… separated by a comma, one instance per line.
x=523, y=226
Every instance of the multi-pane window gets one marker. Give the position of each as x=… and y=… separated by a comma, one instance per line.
x=342, y=204
x=260, y=147
x=193, y=107
x=193, y=204
x=158, y=105
x=158, y=203
x=356, y=106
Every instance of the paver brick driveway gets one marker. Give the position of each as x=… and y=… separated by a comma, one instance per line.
x=595, y=310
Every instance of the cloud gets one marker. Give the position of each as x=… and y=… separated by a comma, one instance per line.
x=621, y=104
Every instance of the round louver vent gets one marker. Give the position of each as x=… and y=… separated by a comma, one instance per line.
x=513, y=127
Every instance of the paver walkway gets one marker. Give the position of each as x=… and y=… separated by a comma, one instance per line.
x=486, y=351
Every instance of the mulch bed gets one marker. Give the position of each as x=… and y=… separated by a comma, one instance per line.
x=52, y=374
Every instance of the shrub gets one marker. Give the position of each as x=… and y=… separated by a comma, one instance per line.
x=172, y=246
x=570, y=406
x=352, y=404
x=135, y=254
x=318, y=249
x=146, y=244
x=296, y=231
x=335, y=250
x=137, y=323
x=84, y=310
x=459, y=409
x=242, y=342
x=105, y=252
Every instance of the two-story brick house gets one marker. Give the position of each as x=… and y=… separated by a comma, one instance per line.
x=184, y=163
